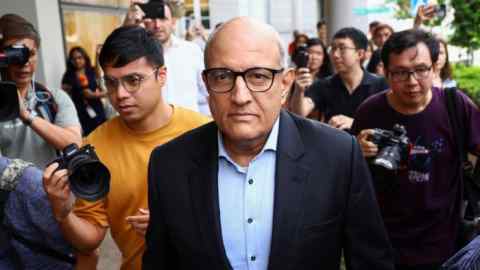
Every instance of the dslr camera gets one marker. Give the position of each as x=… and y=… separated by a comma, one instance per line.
x=9, y=106
x=153, y=9
x=89, y=178
x=300, y=56
x=393, y=146
x=14, y=54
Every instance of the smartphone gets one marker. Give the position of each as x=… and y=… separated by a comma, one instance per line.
x=441, y=11
x=187, y=23
x=153, y=9
x=300, y=56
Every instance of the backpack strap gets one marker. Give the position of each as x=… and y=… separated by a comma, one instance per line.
x=456, y=122
x=46, y=104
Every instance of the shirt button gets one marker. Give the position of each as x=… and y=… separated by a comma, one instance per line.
x=250, y=220
x=250, y=181
x=253, y=258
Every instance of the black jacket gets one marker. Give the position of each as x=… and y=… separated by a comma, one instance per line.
x=324, y=202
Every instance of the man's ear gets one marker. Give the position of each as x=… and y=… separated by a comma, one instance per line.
x=361, y=54
x=287, y=81
x=288, y=78
x=162, y=75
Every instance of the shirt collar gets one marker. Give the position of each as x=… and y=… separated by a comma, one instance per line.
x=271, y=144
x=367, y=78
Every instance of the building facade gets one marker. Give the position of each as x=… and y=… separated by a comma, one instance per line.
x=63, y=24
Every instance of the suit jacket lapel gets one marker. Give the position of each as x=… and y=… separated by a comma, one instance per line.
x=204, y=193
x=290, y=178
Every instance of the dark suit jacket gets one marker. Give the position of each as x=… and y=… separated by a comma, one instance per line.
x=324, y=202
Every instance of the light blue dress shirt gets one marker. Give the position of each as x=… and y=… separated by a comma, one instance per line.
x=246, y=205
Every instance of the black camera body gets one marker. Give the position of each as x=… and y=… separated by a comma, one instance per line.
x=393, y=145
x=89, y=178
x=14, y=54
x=9, y=105
x=153, y=9
x=441, y=11
x=301, y=56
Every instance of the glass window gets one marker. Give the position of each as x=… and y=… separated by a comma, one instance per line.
x=111, y=3
x=205, y=11
x=88, y=29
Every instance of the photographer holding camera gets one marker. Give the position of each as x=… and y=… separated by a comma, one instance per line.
x=47, y=119
x=30, y=237
x=338, y=96
x=422, y=194
x=133, y=62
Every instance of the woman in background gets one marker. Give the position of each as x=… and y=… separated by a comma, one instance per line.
x=375, y=65
x=442, y=69
x=318, y=62
x=80, y=82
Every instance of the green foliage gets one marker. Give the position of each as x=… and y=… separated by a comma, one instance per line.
x=466, y=24
x=468, y=79
x=403, y=10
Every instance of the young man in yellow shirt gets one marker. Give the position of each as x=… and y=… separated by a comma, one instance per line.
x=134, y=76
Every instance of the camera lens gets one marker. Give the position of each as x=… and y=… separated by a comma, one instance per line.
x=389, y=157
x=89, y=179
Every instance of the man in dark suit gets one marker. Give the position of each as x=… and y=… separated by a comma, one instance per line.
x=260, y=188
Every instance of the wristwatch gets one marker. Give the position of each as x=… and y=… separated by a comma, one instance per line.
x=28, y=121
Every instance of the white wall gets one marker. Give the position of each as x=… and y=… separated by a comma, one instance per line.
x=45, y=16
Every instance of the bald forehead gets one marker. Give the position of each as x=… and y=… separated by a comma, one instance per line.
x=245, y=32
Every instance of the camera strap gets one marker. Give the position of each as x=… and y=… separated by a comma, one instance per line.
x=45, y=104
x=456, y=122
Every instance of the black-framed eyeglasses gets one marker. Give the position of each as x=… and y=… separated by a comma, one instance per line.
x=418, y=73
x=131, y=83
x=342, y=49
x=257, y=79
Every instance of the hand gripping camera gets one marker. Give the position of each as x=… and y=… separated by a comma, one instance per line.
x=89, y=178
x=393, y=146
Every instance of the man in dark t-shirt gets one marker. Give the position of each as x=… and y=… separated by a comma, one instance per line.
x=420, y=202
x=337, y=97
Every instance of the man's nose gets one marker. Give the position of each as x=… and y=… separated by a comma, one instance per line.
x=157, y=23
x=122, y=92
x=240, y=92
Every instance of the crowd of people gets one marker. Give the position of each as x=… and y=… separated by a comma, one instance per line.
x=214, y=163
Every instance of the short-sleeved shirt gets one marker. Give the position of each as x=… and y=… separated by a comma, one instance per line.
x=420, y=204
x=331, y=97
x=20, y=141
x=126, y=155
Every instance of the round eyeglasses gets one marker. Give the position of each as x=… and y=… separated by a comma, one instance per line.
x=131, y=82
x=257, y=79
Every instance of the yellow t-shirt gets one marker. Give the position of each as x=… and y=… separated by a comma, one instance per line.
x=126, y=155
